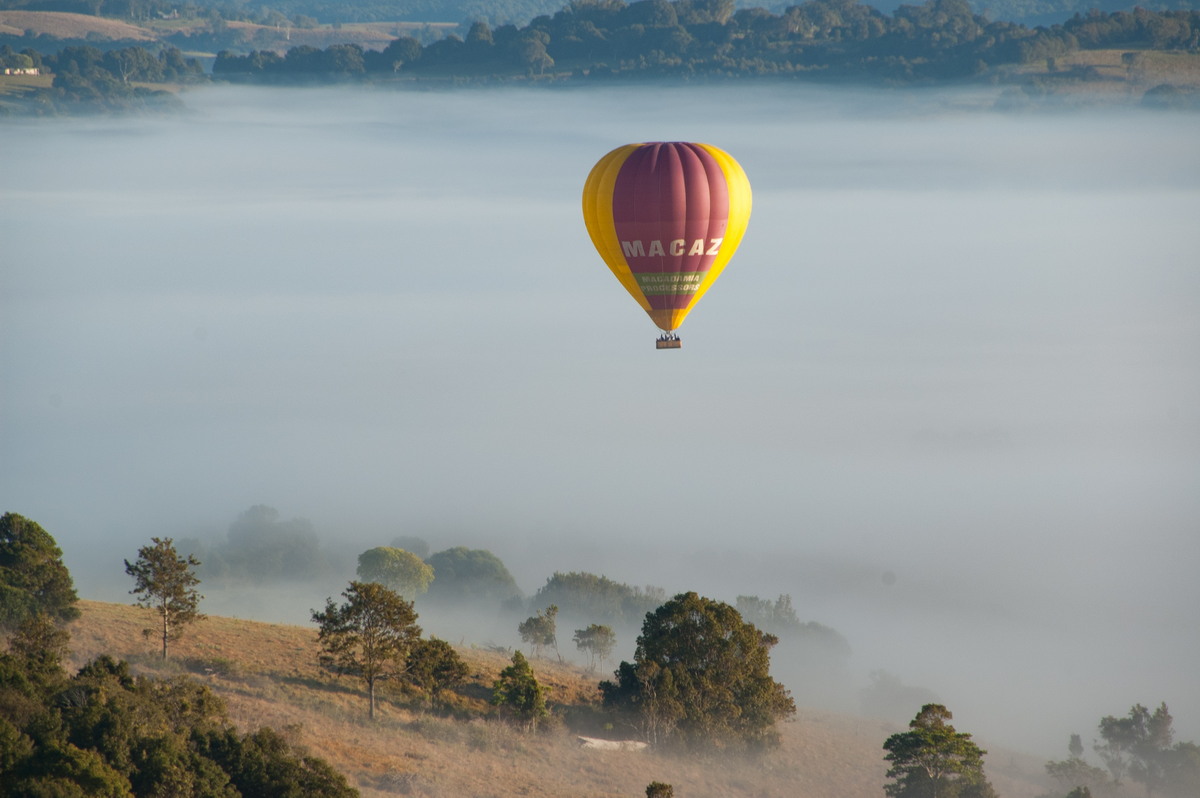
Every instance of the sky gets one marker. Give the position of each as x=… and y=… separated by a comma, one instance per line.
x=946, y=395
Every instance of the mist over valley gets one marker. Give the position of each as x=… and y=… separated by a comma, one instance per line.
x=945, y=396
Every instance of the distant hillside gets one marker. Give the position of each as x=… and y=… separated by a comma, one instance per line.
x=521, y=12
x=62, y=25
x=267, y=674
x=496, y=12
x=43, y=29
x=1050, y=12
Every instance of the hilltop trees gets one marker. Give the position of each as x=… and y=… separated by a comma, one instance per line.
x=934, y=39
x=97, y=79
x=368, y=637
x=166, y=583
x=472, y=576
x=541, y=630
x=1075, y=774
x=1139, y=747
x=929, y=40
x=932, y=760
x=597, y=598
x=261, y=546
x=1183, y=771
x=598, y=641
x=400, y=570
x=33, y=579
x=819, y=655
x=416, y=545
x=888, y=697
x=1136, y=747
x=700, y=677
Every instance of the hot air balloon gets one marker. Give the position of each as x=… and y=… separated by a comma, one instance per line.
x=666, y=217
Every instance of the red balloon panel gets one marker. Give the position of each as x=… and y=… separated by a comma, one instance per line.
x=670, y=210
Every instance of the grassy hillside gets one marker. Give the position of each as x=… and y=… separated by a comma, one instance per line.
x=62, y=25
x=98, y=30
x=267, y=674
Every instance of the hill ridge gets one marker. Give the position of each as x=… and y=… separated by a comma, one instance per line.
x=268, y=676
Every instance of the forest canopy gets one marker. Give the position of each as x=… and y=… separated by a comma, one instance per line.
x=817, y=39
x=599, y=40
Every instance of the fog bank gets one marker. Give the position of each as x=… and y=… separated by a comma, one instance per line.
x=946, y=396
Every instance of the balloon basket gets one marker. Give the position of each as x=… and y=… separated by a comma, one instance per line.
x=668, y=342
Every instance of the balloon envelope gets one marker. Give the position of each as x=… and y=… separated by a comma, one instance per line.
x=666, y=217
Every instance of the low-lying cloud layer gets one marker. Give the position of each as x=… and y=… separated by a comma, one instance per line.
x=947, y=395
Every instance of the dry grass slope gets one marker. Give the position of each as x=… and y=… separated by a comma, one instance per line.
x=82, y=26
x=70, y=26
x=268, y=676
x=1110, y=72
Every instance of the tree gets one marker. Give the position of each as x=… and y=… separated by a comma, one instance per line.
x=531, y=51
x=133, y=63
x=106, y=733
x=932, y=760
x=480, y=34
x=1074, y=773
x=262, y=546
x=416, y=545
x=165, y=582
x=1183, y=771
x=598, y=641
x=344, y=59
x=368, y=637
x=40, y=646
x=471, y=576
x=656, y=789
x=402, y=571
x=701, y=675
x=434, y=666
x=1138, y=745
x=818, y=652
x=888, y=697
x=33, y=578
x=776, y=617
x=518, y=691
x=647, y=696
x=1075, y=746
x=593, y=597
x=264, y=763
x=541, y=630
x=401, y=52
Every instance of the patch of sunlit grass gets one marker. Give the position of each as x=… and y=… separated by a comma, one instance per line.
x=267, y=675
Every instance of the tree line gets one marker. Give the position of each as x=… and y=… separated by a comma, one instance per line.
x=496, y=12
x=600, y=39
x=105, y=732
x=701, y=673
x=89, y=78
x=296, y=11
x=699, y=681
